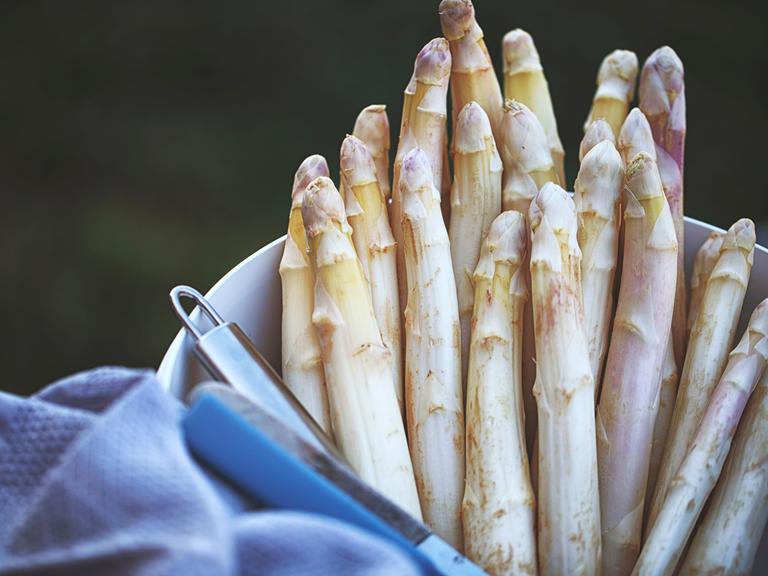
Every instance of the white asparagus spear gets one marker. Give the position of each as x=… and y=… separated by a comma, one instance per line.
x=302, y=364
x=708, y=348
x=727, y=539
x=705, y=261
x=661, y=96
x=525, y=82
x=366, y=210
x=499, y=507
x=422, y=126
x=476, y=201
x=598, y=131
x=569, y=506
x=598, y=206
x=615, y=89
x=697, y=475
x=433, y=390
x=472, y=76
x=367, y=423
x=628, y=402
x=527, y=166
x=670, y=376
x=636, y=137
x=372, y=127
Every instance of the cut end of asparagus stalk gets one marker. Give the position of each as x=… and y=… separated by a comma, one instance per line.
x=524, y=141
x=323, y=207
x=520, y=54
x=312, y=167
x=598, y=131
x=356, y=162
x=433, y=64
x=457, y=17
x=372, y=127
x=473, y=130
x=636, y=136
x=662, y=80
x=556, y=206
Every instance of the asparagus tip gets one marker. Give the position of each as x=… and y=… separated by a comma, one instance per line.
x=636, y=136
x=456, y=17
x=433, y=63
x=665, y=63
x=558, y=207
x=473, y=129
x=322, y=207
x=372, y=126
x=312, y=167
x=356, y=162
x=619, y=66
x=642, y=176
x=506, y=240
x=520, y=52
x=740, y=235
x=597, y=131
x=416, y=177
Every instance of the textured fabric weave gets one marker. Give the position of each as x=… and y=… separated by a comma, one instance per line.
x=95, y=479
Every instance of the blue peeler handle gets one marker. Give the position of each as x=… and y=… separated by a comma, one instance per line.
x=244, y=455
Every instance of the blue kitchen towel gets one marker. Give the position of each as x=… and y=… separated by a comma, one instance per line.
x=95, y=478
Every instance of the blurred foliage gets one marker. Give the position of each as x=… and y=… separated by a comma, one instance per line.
x=145, y=144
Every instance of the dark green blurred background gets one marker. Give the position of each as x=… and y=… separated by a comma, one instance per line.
x=144, y=144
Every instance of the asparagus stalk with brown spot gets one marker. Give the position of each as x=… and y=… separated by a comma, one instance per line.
x=499, y=508
x=661, y=96
x=366, y=420
x=727, y=539
x=527, y=166
x=302, y=364
x=615, y=89
x=366, y=210
x=705, y=261
x=598, y=205
x=433, y=389
x=708, y=348
x=628, y=402
x=372, y=127
x=698, y=473
x=476, y=201
x=569, y=506
x=422, y=126
x=525, y=82
x=472, y=76
x=598, y=131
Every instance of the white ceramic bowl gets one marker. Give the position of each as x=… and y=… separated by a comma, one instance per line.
x=249, y=295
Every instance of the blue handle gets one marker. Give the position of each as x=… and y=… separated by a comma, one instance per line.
x=244, y=455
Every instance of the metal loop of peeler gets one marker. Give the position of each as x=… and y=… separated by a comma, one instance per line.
x=187, y=291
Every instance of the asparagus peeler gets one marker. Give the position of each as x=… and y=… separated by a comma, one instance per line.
x=258, y=425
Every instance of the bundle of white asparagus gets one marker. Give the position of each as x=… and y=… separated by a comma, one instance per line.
x=528, y=369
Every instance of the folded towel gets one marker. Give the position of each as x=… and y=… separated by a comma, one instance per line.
x=95, y=478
